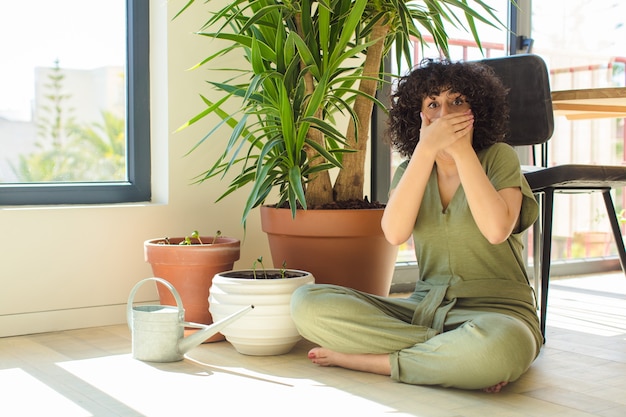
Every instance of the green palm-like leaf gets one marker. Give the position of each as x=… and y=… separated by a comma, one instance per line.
x=303, y=69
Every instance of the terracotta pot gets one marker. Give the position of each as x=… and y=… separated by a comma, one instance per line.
x=594, y=244
x=268, y=329
x=190, y=269
x=343, y=247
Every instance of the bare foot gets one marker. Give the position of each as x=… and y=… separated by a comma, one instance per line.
x=377, y=364
x=496, y=388
x=321, y=356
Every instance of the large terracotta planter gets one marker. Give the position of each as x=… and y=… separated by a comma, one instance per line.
x=190, y=269
x=343, y=247
x=268, y=329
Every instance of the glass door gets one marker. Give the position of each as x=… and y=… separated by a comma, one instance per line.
x=584, y=45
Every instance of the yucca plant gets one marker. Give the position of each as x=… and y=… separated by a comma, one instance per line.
x=307, y=63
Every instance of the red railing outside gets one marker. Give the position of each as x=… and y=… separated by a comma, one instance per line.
x=469, y=49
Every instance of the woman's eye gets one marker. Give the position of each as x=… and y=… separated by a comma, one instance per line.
x=459, y=102
x=432, y=105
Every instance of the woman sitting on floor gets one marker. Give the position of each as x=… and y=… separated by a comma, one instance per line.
x=471, y=322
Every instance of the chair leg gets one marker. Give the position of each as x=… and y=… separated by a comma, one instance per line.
x=546, y=253
x=617, y=233
x=537, y=247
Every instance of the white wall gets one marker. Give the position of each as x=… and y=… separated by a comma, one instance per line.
x=66, y=267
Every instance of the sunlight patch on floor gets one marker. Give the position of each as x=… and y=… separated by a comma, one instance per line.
x=179, y=389
x=25, y=395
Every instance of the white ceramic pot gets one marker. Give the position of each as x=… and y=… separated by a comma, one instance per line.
x=268, y=329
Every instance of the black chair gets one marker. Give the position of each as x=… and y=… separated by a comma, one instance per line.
x=531, y=123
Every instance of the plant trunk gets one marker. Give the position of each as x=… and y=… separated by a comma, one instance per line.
x=351, y=179
x=319, y=189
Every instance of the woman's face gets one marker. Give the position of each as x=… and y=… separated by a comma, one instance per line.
x=436, y=106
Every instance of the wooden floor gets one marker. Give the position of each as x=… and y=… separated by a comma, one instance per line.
x=580, y=372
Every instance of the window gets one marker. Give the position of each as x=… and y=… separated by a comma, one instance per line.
x=74, y=113
x=579, y=56
x=589, y=59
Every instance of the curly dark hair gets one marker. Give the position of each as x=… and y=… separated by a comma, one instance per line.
x=483, y=89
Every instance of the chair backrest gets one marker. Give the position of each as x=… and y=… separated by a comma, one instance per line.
x=531, y=120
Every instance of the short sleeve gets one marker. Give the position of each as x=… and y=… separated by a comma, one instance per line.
x=398, y=174
x=502, y=166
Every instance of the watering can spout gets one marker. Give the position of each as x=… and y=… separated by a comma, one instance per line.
x=206, y=331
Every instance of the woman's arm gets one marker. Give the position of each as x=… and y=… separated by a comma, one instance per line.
x=496, y=213
x=405, y=200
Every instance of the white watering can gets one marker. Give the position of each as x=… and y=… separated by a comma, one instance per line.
x=157, y=330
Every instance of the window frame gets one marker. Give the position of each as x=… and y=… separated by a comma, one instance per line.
x=138, y=186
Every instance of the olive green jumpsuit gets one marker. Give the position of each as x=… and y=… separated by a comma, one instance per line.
x=470, y=323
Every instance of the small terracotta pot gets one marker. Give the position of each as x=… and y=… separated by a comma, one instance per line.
x=190, y=269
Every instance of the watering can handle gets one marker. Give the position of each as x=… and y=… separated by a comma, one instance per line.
x=129, y=305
